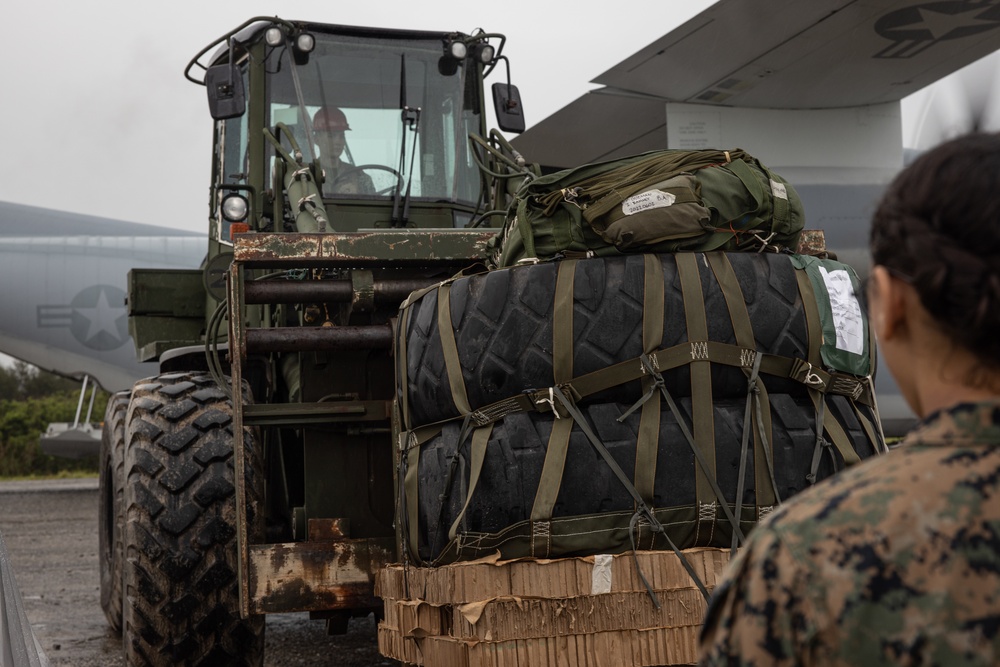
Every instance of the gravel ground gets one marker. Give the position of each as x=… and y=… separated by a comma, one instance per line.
x=51, y=533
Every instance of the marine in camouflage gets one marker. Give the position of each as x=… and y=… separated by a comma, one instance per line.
x=895, y=561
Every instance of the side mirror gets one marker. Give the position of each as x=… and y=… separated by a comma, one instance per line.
x=226, y=98
x=507, y=104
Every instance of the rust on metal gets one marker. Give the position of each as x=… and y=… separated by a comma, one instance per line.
x=812, y=242
x=325, y=530
x=315, y=576
x=379, y=248
x=301, y=339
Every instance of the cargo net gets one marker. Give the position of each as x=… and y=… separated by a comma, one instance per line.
x=717, y=426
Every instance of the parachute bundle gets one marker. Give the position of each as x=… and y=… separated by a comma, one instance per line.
x=662, y=201
x=642, y=401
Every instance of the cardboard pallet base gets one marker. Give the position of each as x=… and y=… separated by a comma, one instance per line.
x=591, y=611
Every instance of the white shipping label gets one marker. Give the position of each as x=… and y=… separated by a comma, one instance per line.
x=645, y=201
x=601, y=580
x=778, y=190
x=847, y=318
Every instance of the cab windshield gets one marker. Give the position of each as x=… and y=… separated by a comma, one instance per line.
x=343, y=105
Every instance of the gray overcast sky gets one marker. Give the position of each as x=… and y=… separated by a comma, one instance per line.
x=98, y=118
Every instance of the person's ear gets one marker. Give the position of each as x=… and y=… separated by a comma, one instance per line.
x=888, y=303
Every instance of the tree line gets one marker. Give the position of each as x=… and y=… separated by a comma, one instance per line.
x=31, y=399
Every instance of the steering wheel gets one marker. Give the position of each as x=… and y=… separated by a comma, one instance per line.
x=345, y=177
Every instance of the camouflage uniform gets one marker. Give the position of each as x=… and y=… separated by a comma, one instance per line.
x=895, y=561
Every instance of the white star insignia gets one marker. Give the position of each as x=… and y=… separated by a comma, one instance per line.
x=941, y=24
x=101, y=317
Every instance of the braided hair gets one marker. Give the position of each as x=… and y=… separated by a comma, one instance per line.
x=938, y=228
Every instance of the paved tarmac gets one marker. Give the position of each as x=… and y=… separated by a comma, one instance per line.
x=50, y=528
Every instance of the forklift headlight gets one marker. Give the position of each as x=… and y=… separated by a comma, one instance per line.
x=458, y=50
x=235, y=207
x=483, y=52
x=305, y=42
x=274, y=37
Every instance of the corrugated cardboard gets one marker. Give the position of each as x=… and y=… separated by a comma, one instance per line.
x=629, y=648
x=590, y=611
x=501, y=619
x=410, y=617
x=393, y=645
x=472, y=581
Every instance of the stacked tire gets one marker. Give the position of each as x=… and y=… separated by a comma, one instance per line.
x=503, y=328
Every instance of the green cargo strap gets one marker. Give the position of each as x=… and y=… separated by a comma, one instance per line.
x=868, y=428
x=522, y=224
x=402, y=324
x=702, y=409
x=815, y=336
x=840, y=439
x=411, y=482
x=873, y=431
x=450, y=348
x=836, y=432
x=557, y=448
x=647, y=440
x=750, y=181
x=642, y=510
x=779, y=201
x=699, y=457
x=562, y=322
x=401, y=517
x=539, y=400
x=480, y=438
x=402, y=504
x=764, y=491
x=743, y=331
x=820, y=446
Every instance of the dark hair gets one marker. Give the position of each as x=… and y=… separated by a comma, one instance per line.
x=938, y=227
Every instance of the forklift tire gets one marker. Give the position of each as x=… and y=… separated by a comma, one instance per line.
x=181, y=582
x=111, y=507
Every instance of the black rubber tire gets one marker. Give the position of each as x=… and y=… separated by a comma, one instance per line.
x=517, y=447
x=111, y=507
x=503, y=328
x=503, y=324
x=181, y=584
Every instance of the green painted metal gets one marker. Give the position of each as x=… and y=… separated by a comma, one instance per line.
x=324, y=415
x=166, y=309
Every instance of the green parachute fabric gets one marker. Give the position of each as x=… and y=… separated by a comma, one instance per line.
x=661, y=201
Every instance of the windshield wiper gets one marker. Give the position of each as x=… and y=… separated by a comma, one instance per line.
x=410, y=117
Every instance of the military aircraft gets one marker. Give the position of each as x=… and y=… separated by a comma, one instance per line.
x=812, y=89
x=64, y=307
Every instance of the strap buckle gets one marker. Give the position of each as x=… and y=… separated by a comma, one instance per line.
x=549, y=399
x=812, y=379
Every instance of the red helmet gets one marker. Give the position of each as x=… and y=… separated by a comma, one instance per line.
x=330, y=119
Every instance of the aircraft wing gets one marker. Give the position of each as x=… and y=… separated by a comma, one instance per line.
x=776, y=54
x=67, y=312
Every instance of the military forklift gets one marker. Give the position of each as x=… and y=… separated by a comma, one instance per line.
x=255, y=473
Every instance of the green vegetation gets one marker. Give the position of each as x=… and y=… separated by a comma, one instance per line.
x=29, y=400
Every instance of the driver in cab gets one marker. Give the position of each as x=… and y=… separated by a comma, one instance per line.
x=340, y=176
